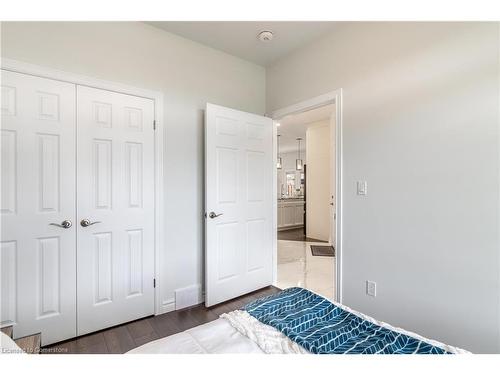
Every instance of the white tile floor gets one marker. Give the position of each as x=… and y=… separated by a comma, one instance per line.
x=298, y=267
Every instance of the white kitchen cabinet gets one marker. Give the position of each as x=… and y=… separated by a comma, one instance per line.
x=290, y=213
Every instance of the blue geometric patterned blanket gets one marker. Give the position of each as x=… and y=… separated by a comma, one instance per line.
x=324, y=328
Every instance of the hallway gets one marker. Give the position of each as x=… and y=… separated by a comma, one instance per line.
x=298, y=267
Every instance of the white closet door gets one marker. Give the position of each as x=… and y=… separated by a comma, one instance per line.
x=239, y=203
x=115, y=187
x=38, y=274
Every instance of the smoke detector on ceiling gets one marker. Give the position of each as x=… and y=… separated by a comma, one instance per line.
x=266, y=36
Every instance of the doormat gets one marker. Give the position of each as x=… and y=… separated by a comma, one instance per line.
x=322, y=251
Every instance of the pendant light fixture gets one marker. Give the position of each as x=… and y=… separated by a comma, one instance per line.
x=298, y=163
x=278, y=163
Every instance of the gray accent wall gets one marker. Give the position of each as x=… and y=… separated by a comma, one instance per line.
x=421, y=126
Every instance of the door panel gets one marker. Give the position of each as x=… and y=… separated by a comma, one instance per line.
x=239, y=161
x=115, y=190
x=38, y=275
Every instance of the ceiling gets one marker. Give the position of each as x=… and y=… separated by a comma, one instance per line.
x=240, y=38
x=294, y=126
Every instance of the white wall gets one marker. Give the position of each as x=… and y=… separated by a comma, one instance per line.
x=188, y=74
x=318, y=181
x=420, y=110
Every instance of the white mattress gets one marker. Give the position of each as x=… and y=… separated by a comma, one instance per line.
x=215, y=337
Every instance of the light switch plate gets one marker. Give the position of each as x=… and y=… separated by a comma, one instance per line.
x=362, y=188
x=371, y=288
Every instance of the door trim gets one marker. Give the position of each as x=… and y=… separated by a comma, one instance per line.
x=157, y=97
x=332, y=97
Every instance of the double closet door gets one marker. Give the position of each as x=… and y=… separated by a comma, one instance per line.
x=77, y=207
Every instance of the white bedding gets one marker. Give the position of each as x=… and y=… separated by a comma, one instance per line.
x=269, y=339
x=239, y=332
x=234, y=332
x=215, y=337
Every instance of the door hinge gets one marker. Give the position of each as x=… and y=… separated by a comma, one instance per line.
x=154, y=283
x=154, y=124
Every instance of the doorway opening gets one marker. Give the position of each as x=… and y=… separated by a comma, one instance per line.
x=307, y=196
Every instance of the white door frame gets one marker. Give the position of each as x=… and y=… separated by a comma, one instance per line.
x=333, y=97
x=157, y=97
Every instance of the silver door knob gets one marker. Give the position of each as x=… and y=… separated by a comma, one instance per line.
x=65, y=224
x=213, y=215
x=86, y=223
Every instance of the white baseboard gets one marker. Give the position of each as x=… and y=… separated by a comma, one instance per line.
x=290, y=227
x=188, y=296
x=166, y=306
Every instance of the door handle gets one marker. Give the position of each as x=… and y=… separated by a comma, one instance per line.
x=213, y=215
x=65, y=224
x=86, y=223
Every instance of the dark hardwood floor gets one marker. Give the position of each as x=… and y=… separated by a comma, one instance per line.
x=125, y=337
x=296, y=234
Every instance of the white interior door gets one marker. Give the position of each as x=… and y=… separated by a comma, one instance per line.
x=37, y=259
x=239, y=203
x=116, y=196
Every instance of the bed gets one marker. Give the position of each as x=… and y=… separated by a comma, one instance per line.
x=296, y=321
